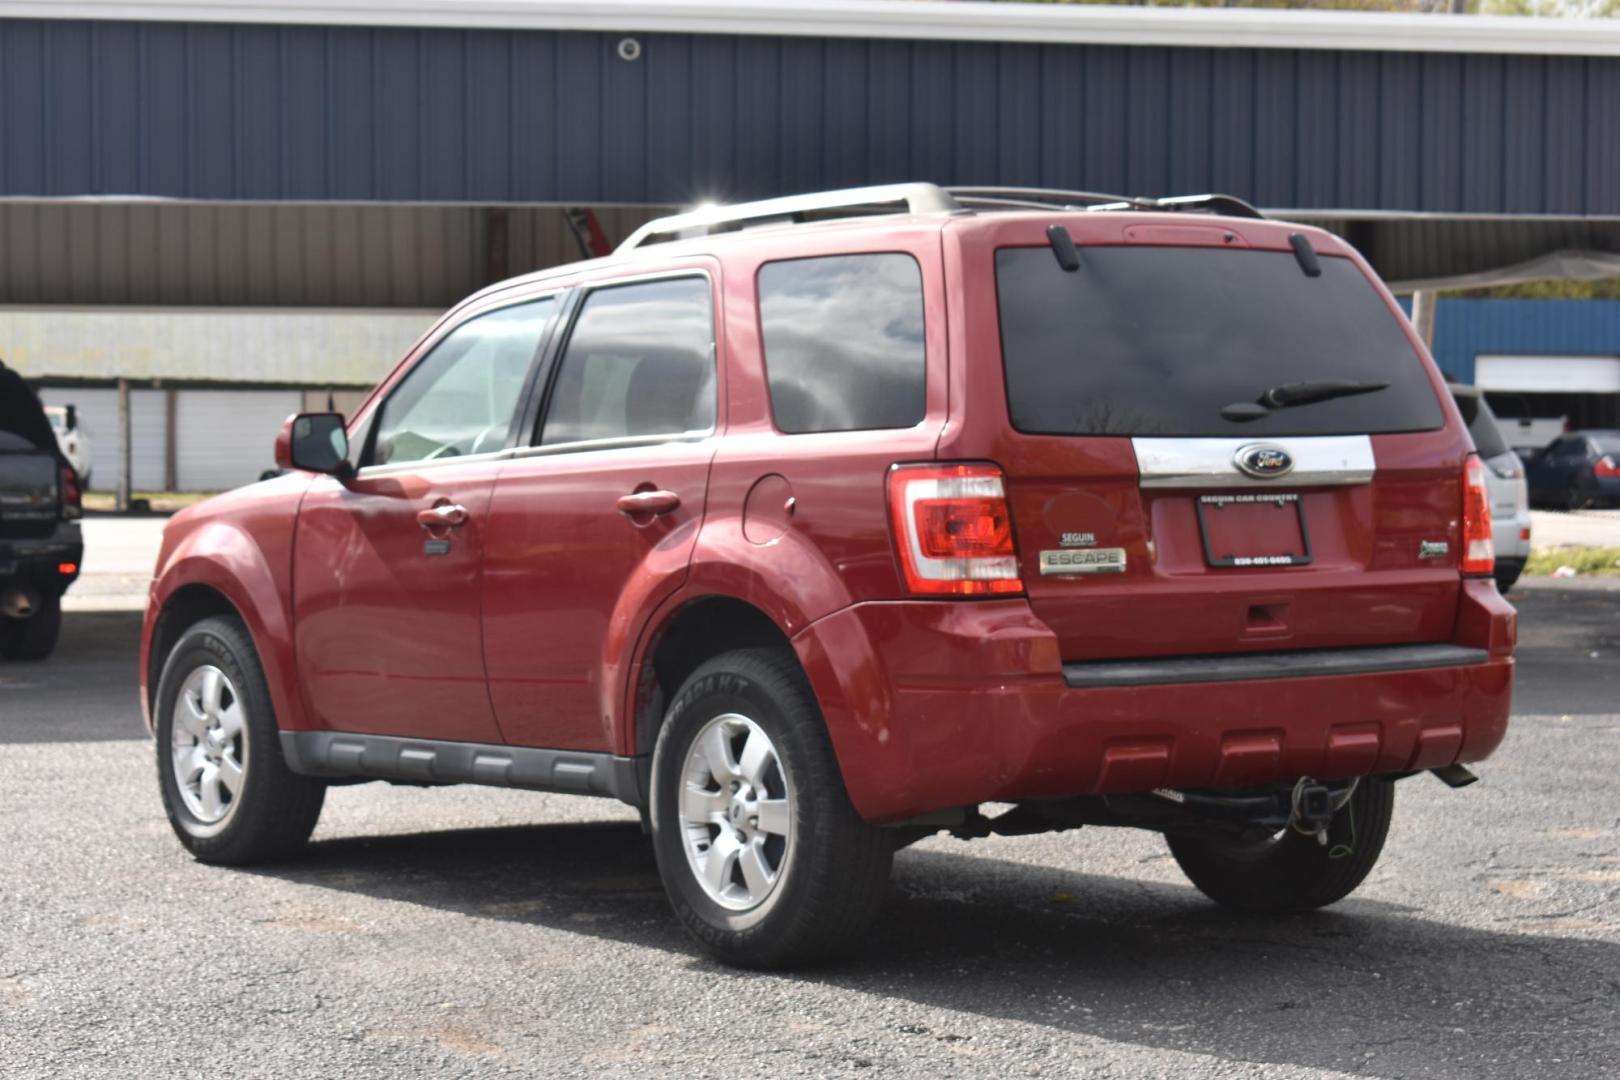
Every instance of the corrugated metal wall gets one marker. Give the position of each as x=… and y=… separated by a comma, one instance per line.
x=298, y=255
x=347, y=113
x=1466, y=328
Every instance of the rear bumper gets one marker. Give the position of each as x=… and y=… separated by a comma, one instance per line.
x=933, y=705
x=39, y=562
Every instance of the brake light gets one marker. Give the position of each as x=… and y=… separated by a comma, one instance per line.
x=1478, y=550
x=1606, y=467
x=72, y=497
x=954, y=529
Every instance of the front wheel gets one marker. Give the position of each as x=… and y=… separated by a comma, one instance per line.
x=762, y=855
x=229, y=795
x=1292, y=871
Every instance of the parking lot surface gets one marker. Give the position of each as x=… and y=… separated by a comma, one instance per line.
x=477, y=932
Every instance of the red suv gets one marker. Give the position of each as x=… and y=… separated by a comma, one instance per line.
x=811, y=526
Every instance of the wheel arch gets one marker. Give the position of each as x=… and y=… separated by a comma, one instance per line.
x=185, y=607
x=689, y=634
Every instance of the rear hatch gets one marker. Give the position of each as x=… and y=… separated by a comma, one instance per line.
x=1217, y=451
x=28, y=489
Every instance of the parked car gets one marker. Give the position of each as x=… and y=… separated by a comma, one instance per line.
x=71, y=439
x=40, y=543
x=1505, y=477
x=1580, y=469
x=810, y=527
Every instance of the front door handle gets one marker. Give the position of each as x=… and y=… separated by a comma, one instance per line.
x=641, y=503
x=447, y=516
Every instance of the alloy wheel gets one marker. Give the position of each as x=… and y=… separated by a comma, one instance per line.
x=736, y=812
x=209, y=745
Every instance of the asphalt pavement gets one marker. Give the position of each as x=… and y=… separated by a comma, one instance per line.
x=480, y=932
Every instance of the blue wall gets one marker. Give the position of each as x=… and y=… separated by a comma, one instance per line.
x=1465, y=328
x=348, y=113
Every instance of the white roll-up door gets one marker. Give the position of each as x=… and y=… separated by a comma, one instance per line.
x=1548, y=374
x=226, y=438
x=98, y=418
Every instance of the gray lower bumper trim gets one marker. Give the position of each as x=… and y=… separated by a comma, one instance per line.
x=336, y=754
x=1270, y=665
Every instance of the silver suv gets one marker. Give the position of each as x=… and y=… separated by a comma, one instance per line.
x=1504, y=477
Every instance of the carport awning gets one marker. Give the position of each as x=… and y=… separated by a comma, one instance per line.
x=1548, y=374
x=1453, y=251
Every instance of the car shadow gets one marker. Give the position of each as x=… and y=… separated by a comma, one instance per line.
x=1366, y=987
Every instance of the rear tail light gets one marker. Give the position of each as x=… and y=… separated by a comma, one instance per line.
x=954, y=529
x=1478, y=550
x=72, y=497
x=1606, y=466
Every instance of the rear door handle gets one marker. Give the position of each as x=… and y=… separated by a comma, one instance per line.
x=648, y=502
x=441, y=517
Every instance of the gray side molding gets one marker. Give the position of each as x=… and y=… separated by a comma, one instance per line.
x=336, y=754
x=1301, y=664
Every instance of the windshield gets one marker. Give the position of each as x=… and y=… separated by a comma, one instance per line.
x=1157, y=340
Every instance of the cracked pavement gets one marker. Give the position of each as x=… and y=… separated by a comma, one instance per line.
x=476, y=932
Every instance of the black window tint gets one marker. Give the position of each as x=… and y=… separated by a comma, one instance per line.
x=1476, y=413
x=1155, y=340
x=640, y=362
x=843, y=342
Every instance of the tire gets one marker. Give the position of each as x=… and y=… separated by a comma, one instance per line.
x=33, y=638
x=1291, y=872
x=272, y=810
x=1506, y=579
x=829, y=869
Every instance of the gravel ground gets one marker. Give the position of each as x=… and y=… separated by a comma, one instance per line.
x=476, y=932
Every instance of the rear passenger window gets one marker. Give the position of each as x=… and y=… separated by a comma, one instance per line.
x=843, y=342
x=639, y=362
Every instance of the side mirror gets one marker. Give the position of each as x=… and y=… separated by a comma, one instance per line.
x=70, y=419
x=313, y=442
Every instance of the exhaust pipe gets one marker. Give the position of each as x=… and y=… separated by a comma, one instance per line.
x=1456, y=776
x=19, y=602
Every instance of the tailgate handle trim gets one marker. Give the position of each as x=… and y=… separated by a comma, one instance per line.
x=1295, y=664
x=1319, y=461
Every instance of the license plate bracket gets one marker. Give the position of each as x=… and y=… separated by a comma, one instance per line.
x=1272, y=526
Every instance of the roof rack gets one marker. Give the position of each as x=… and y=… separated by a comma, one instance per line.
x=919, y=198
x=1046, y=198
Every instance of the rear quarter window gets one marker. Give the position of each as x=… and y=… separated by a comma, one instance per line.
x=1154, y=341
x=843, y=342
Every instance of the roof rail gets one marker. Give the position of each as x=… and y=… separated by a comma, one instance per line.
x=917, y=199
x=1045, y=198
x=1036, y=198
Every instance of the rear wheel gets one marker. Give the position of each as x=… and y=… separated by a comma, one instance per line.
x=1292, y=871
x=763, y=858
x=33, y=638
x=229, y=795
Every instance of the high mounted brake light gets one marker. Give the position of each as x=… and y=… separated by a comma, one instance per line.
x=1478, y=550
x=954, y=530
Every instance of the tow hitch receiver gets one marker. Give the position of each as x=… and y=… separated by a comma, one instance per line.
x=1313, y=809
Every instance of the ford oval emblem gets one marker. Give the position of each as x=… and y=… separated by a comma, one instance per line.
x=1265, y=461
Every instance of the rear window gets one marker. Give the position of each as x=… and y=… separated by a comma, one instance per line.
x=1156, y=340
x=1476, y=413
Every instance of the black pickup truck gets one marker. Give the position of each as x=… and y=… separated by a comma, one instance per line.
x=40, y=542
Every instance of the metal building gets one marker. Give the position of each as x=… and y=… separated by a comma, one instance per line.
x=356, y=155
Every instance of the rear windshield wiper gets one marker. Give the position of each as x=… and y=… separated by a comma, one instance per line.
x=1299, y=393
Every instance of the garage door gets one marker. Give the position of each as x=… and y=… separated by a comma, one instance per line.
x=98, y=416
x=1548, y=374
x=226, y=438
